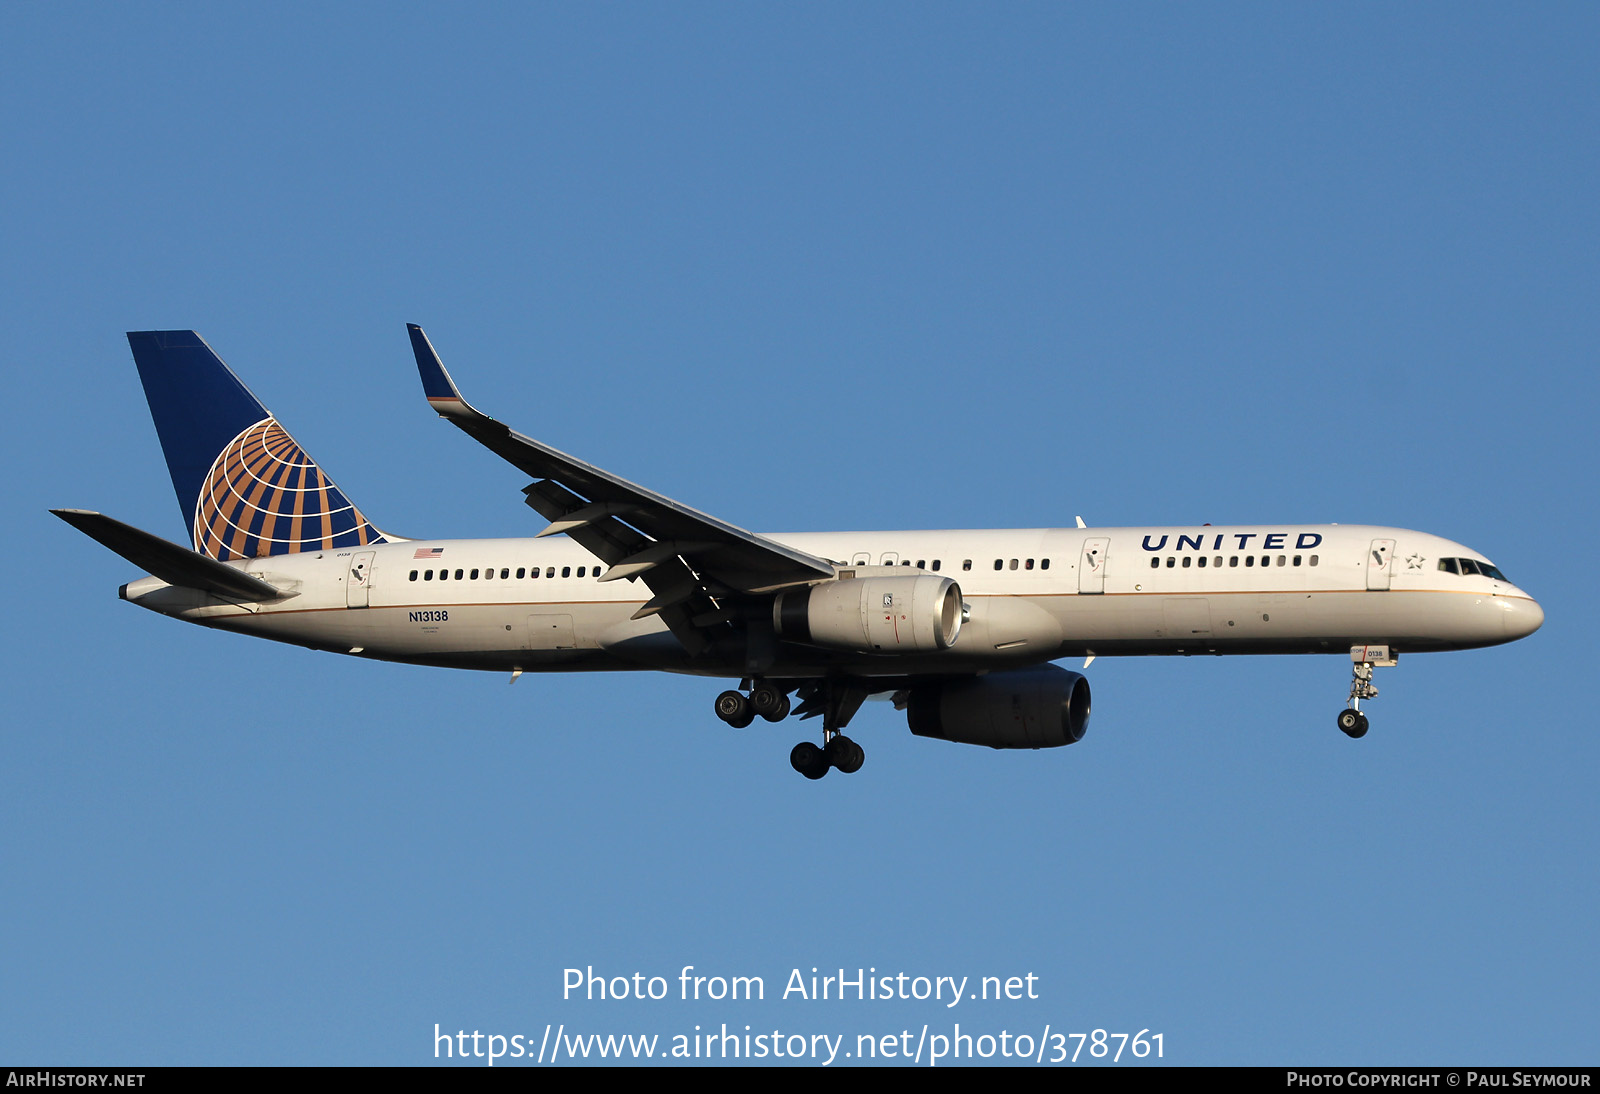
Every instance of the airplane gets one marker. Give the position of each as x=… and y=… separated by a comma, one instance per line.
x=959, y=628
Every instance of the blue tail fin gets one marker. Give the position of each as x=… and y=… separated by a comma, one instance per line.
x=246, y=488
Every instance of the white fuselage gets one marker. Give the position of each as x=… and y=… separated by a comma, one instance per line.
x=1033, y=595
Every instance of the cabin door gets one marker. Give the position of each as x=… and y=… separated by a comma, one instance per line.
x=358, y=582
x=1092, y=565
x=1380, y=564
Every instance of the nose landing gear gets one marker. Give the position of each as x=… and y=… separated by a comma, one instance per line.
x=1352, y=722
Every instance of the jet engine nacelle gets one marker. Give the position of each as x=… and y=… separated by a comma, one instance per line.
x=900, y=614
x=1027, y=708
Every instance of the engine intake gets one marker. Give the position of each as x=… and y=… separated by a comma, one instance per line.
x=900, y=614
x=1041, y=707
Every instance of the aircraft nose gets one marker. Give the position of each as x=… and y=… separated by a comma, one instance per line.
x=1520, y=616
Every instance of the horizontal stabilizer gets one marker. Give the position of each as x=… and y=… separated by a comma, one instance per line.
x=171, y=563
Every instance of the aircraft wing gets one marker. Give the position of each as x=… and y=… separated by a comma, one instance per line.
x=691, y=561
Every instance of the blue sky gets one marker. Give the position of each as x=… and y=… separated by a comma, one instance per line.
x=808, y=267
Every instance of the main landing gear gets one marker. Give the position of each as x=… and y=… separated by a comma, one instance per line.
x=836, y=702
x=764, y=699
x=840, y=752
x=1352, y=722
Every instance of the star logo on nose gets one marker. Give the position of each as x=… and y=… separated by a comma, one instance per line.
x=1414, y=562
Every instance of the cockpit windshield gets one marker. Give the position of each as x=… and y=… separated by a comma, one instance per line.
x=1472, y=567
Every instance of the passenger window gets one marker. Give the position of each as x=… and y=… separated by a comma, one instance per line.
x=1249, y=560
x=413, y=575
x=427, y=575
x=444, y=575
x=549, y=571
x=595, y=571
x=1233, y=560
x=1217, y=562
x=1044, y=564
x=581, y=569
x=1187, y=561
x=1313, y=560
x=505, y=572
x=566, y=571
x=458, y=575
x=522, y=572
x=1028, y=565
x=966, y=564
x=1202, y=562
x=1283, y=560
x=935, y=565
x=1013, y=564
x=1155, y=563
x=1297, y=560
x=999, y=564
x=1171, y=562
x=922, y=564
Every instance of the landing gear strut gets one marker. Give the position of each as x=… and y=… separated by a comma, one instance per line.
x=1352, y=722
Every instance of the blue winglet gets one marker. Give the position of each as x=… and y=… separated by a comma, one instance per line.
x=441, y=391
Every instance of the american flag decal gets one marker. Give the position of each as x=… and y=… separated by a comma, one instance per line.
x=428, y=552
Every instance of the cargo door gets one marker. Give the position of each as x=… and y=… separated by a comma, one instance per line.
x=550, y=632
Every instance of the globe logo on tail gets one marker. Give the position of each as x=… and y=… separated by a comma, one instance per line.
x=265, y=496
